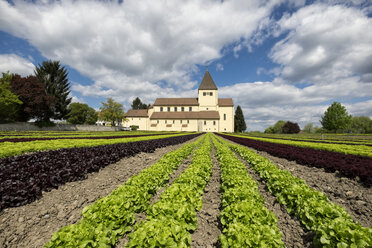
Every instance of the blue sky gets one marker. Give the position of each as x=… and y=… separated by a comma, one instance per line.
x=277, y=59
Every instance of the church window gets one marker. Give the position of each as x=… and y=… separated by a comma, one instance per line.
x=205, y=122
x=190, y=109
x=165, y=121
x=204, y=93
x=173, y=121
x=175, y=109
x=180, y=121
x=161, y=109
x=214, y=122
x=168, y=109
x=182, y=109
x=187, y=121
x=157, y=122
x=224, y=117
x=211, y=93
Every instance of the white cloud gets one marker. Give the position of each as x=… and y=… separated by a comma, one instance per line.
x=138, y=47
x=219, y=67
x=324, y=44
x=16, y=64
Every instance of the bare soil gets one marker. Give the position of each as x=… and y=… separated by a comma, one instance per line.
x=208, y=231
x=32, y=225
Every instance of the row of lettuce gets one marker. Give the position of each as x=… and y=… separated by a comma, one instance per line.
x=24, y=178
x=358, y=150
x=105, y=221
x=17, y=148
x=351, y=166
x=245, y=221
x=332, y=225
x=60, y=134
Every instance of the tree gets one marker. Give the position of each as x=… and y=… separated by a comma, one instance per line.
x=137, y=104
x=361, y=124
x=9, y=102
x=309, y=128
x=81, y=113
x=35, y=102
x=335, y=118
x=270, y=130
x=239, y=122
x=54, y=78
x=278, y=127
x=290, y=127
x=111, y=111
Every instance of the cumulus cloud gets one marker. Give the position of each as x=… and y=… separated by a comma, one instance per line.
x=16, y=64
x=219, y=67
x=134, y=47
x=324, y=43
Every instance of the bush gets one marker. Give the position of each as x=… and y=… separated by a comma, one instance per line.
x=134, y=128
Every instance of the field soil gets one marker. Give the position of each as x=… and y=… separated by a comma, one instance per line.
x=208, y=231
x=32, y=225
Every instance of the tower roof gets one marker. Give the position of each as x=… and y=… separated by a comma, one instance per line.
x=207, y=82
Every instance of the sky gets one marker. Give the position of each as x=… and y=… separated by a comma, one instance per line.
x=277, y=59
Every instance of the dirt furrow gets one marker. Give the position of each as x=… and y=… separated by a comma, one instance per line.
x=32, y=225
x=208, y=231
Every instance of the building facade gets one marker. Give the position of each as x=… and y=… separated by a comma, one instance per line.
x=206, y=113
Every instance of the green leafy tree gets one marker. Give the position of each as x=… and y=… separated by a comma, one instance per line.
x=336, y=118
x=111, y=111
x=54, y=77
x=92, y=117
x=138, y=104
x=361, y=124
x=9, y=102
x=239, y=122
x=278, y=127
x=270, y=130
x=35, y=102
x=290, y=127
x=309, y=128
x=81, y=113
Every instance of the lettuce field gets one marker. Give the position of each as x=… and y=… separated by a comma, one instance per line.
x=173, y=189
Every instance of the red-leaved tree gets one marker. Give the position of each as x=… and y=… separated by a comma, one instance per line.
x=36, y=103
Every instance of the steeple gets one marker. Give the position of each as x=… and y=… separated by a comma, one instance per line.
x=207, y=82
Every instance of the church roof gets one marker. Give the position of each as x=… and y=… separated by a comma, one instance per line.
x=176, y=102
x=225, y=102
x=136, y=113
x=211, y=115
x=207, y=82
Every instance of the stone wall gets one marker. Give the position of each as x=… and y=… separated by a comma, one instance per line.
x=20, y=126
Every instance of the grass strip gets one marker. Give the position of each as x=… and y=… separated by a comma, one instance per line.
x=245, y=219
x=106, y=220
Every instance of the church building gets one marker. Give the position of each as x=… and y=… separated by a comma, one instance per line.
x=206, y=113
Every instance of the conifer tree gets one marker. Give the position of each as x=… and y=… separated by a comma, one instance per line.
x=56, y=84
x=239, y=122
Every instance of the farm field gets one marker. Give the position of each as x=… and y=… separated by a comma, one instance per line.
x=204, y=192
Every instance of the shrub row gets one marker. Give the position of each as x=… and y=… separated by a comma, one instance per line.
x=332, y=225
x=23, y=178
x=106, y=220
x=245, y=219
x=349, y=165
